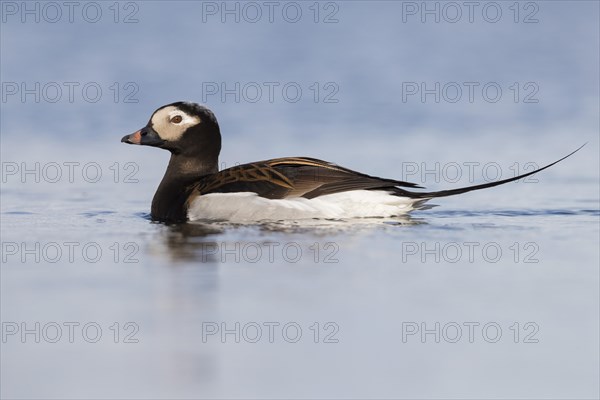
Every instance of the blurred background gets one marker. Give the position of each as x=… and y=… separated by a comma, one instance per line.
x=439, y=93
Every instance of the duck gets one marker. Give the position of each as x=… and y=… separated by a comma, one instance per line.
x=280, y=189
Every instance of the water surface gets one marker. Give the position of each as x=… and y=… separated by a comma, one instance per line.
x=493, y=294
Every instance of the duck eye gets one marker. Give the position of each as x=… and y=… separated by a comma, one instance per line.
x=176, y=119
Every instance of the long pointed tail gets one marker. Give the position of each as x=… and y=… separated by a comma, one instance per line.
x=452, y=192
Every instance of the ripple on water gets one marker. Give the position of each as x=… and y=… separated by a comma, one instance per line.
x=93, y=214
x=509, y=213
x=143, y=215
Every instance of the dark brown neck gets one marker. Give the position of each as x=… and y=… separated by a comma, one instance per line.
x=169, y=202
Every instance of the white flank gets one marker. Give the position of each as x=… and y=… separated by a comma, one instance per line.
x=248, y=207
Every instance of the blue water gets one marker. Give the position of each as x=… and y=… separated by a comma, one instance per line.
x=493, y=294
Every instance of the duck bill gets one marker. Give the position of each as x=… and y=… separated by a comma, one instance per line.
x=145, y=137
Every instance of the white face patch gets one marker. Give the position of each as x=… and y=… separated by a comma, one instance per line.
x=170, y=123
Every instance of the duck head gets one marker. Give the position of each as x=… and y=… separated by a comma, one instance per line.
x=186, y=129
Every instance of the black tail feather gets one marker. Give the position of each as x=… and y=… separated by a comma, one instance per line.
x=452, y=192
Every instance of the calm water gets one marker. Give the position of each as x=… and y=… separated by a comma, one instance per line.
x=323, y=309
x=492, y=294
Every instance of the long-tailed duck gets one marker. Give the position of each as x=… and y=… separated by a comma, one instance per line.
x=290, y=188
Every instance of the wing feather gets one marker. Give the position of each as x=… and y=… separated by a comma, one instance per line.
x=293, y=177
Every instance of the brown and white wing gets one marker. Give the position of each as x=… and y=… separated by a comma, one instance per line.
x=291, y=177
